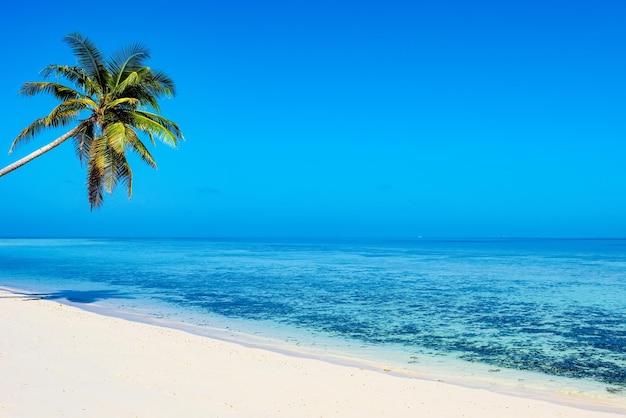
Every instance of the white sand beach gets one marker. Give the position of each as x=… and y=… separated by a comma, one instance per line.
x=57, y=360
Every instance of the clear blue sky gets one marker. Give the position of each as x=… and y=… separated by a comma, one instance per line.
x=342, y=119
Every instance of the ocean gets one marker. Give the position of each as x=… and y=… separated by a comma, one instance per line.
x=533, y=315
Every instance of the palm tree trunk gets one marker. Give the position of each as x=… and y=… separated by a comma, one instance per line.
x=39, y=152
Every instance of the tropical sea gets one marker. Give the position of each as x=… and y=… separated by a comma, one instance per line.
x=539, y=316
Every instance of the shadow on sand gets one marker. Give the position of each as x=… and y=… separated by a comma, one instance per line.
x=76, y=296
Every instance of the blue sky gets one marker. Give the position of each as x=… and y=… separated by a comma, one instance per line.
x=342, y=119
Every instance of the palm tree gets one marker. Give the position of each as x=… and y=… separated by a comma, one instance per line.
x=111, y=102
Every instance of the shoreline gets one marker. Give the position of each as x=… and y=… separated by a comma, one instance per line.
x=518, y=383
x=60, y=359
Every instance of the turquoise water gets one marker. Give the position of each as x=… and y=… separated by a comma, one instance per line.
x=551, y=308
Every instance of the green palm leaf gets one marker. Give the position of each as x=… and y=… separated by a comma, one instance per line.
x=82, y=142
x=156, y=125
x=76, y=75
x=89, y=57
x=59, y=91
x=135, y=143
x=126, y=61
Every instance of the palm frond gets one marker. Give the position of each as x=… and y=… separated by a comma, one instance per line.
x=146, y=99
x=114, y=169
x=128, y=101
x=71, y=73
x=89, y=57
x=83, y=140
x=102, y=160
x=115, y=134
x=136, y=145
x=124, y=175
x=62, y=117
x=146, y=86
x=131, y=80
x=154, y=85
x=59, y=91
x=94, y=185
x=29, y=132
x=151, y=138
x=127, y=60
x=68, y=111
x=161, y=84
x=76, y=75
x=112, y=158
x=164, y=129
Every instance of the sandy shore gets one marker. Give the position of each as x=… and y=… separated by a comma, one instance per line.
x=57, y=360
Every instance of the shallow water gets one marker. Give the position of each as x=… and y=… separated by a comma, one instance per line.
x=549, y=309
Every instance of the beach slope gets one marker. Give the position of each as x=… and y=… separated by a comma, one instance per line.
x=57, y=360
